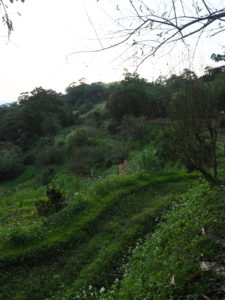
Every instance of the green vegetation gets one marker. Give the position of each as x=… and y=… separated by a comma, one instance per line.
x=91, y=236
x=104, y=196
x=11, y=162
x=183, y=258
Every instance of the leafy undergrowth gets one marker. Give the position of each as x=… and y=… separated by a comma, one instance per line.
x=87, y=242
x=183, y=258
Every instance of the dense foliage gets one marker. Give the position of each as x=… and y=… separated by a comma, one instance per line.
x=135, y=96
x=114, y=191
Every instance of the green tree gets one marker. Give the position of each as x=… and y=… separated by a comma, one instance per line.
x=80, y=93
x=133, y=96
x=11, y=161
x=13, y=127
x=38, y=114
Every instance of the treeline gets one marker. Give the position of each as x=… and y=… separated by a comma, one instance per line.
x=193, y=105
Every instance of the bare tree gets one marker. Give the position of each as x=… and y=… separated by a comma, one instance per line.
x=194, y=122
x=6, y=20
x=149, y=26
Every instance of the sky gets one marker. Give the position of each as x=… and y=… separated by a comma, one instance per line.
x=42, y=50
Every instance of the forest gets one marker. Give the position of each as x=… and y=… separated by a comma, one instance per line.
x=115, y=190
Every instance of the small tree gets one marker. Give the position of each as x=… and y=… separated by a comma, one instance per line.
x=194, y=122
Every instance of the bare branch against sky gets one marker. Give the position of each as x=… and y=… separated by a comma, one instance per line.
x=149, y=27
x=6, y=20
x=109, y=35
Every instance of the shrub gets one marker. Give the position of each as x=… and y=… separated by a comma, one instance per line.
x=113, y=127
x=147, y=159
x=89, y=153
x=56, y=198
x=65, y=215
x=89, y=159
x=83, y=159
x=47, y=175
x=79, y=138
x=68, y=183
x=96, y=118
x=50, y=155
x=11, y=163
x=43, y=207
x=54, y=202
x=60, y=141
x=137, y=129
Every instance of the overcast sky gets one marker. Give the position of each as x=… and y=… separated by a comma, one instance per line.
x=48, y=31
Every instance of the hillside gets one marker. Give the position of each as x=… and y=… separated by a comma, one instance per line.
x=85, y=243
x=106, y=196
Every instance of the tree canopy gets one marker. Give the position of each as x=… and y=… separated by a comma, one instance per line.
x=38, y=114
x=135, y=96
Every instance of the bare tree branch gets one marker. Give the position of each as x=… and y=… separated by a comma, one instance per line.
x=5, y=16
x=206, y=6
x=162, y=25
x=93, y=27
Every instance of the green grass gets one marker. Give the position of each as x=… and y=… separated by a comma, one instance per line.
x=167, y=264
x=71, y=251
x=27, y=175
x=17, y=200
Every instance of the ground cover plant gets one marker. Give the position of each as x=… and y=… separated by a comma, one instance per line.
x=183, y=258
x=90, y=236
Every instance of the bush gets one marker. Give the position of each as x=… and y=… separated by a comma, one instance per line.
x=113, y=127
x=50, y=155
x=60, y=141
x=43, y=207
x=64, y=216
x=11, y=163
x=89, y=152
x=83, y=159
x=79, y=138
x=47, y=175
x=68, y=183
x=96, y=118
x=137, y=129
x=54, y=202
x=147, y=159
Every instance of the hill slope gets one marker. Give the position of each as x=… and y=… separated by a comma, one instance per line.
x=87, y=242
